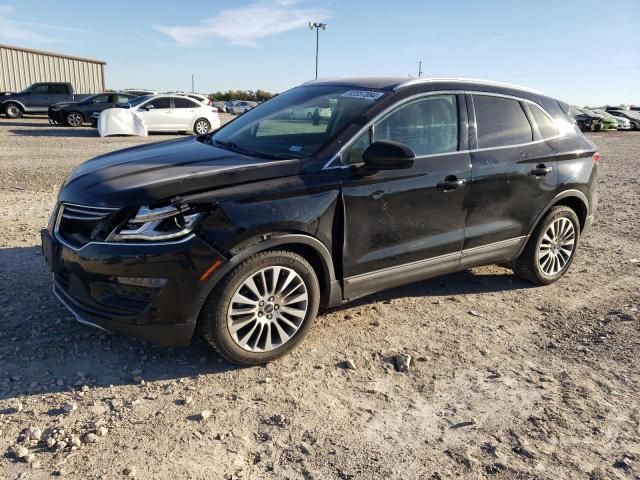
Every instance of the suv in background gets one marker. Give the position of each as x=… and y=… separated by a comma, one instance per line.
x=75, y=114
x=631, y=115
x=245, y=232
x=37, y=98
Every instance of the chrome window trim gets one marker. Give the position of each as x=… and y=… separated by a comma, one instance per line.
x=404, y=101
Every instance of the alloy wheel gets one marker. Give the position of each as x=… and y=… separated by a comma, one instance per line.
x=267, y=309
x=202, y=127
x=557, y=246
x=74, y=119
x=13, y=111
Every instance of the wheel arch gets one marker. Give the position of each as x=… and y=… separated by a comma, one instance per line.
x=4, y=104
x=574, y=199
x=310, y=248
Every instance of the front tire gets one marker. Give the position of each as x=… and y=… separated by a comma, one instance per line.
x=74, y=119
x=551, y=247
x=201, y=126
x=262, y=309
x=13, y=110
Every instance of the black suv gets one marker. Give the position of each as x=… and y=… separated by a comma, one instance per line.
x=247, y=231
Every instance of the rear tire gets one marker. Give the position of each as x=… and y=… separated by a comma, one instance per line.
x=551, y=248
x=201, y=126
x=13, y=110
x=262, y=309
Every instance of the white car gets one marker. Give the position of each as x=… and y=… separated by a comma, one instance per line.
x=163, y=113
x=242, y=107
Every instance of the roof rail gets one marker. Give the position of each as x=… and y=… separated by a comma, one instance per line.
x=417, y=81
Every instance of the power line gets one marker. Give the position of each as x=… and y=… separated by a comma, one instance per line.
x=576, y=72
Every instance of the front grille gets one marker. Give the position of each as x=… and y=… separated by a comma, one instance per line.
x=79, y=224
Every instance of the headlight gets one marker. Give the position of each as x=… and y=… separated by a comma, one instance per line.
x=156, y=224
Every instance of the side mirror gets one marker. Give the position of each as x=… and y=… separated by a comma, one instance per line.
x=388, y=155
x=149, y=107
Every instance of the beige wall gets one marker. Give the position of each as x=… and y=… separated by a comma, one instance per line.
x=20, y=68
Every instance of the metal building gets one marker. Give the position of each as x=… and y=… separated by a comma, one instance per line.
x=20, y=67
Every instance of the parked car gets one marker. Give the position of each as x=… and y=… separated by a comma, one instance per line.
x=172, y=113
x=247, y=231
x=607, y=121
x=622, y=123
x=631, y=115
x=586, y=121
x=221, y=106
x=238, y=108
x=75, y=114
x=37, y=98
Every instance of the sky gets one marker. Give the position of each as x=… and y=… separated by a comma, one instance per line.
x=581, y=51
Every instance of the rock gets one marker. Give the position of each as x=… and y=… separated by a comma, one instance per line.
x=69, y=407
x=627, y=317
x=349, y=364
x=278, y=420
x=34, y=433
x=102, y=431
x=29, y=458
x=90, y=438
x=51, y=442
x=305, y=448
x=187, y=400
x=205, y=415
x=22, y=452
x=403, y=362
x=60, y=445
x=624, y=462
x=473, y=313
x=130, y=471
x=75, y=441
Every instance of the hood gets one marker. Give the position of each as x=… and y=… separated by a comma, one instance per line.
x=2, y=94
x=60, y=105
x=148, y=174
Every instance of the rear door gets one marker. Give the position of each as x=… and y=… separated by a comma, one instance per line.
x=403, y=225
x=157, y=114
x=184, y=113
x=514, y=172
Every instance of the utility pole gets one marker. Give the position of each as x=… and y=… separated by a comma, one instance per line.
x=419, y=68
x=317, y=26
x=193, y=85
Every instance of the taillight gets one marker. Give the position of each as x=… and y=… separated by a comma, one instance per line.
x=596, y=157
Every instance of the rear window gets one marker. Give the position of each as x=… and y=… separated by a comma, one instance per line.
x=500, y=122
x=545, y=125
x=184, y=103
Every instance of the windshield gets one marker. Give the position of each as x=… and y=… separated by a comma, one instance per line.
x=137, y=101
x=297, y=123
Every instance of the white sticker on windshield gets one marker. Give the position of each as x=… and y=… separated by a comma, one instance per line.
x=365, y=94
x=295, y=148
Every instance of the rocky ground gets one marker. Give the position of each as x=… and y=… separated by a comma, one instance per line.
x=472, y=375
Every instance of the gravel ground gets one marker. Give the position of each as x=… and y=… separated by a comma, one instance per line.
x=505, y=381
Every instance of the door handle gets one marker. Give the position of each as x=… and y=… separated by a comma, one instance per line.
x=541, y=170
x=451, y=182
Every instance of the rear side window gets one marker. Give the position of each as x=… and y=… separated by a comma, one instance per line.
x=428, y=125
x=184, y=103
x=545, y=125
x=500, y=122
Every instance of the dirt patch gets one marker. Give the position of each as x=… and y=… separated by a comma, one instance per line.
x=505, y=380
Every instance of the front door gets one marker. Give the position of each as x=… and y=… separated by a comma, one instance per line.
x=158, y=117
x=408, y=224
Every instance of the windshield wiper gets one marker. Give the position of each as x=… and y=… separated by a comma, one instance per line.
x=252, y=153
